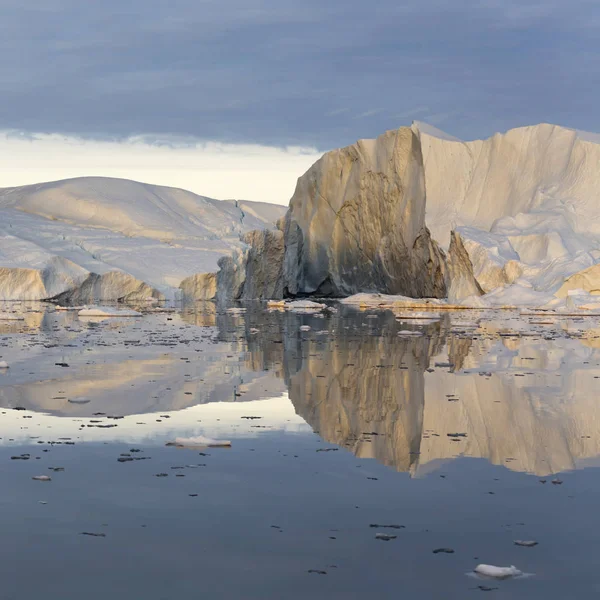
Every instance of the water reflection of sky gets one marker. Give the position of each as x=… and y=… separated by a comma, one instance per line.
x=252, y=521
x=216, y=420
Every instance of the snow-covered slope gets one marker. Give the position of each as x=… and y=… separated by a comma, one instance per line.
x=138, y=209
x=526, y=203
x=54, y=235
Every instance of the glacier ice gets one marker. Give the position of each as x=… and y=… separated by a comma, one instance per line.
x=526, y=205
x=513, y=220
x=93, y=238
x=497, y=572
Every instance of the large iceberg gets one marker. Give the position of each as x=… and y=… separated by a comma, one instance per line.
x=96, y=238
x=511, y=220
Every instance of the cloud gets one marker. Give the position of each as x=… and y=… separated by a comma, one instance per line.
x=215, y=169
x=280, y=73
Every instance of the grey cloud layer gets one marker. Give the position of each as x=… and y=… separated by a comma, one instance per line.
x=315, y=72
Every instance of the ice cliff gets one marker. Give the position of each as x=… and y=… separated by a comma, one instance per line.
x=356, y=222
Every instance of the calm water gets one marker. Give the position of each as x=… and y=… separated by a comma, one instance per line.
x=351, y=429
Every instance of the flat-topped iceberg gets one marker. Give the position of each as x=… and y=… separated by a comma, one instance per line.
x=94, y=239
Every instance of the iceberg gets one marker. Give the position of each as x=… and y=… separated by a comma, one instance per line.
x=497, y=572
x=509, y=221
x=90, y=239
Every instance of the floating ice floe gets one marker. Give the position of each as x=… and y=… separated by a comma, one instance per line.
x=526, y=543
x=78, y=400
x=497, y=572
x=385, y=537
x=300, y=306
x=385, y=301
x=199, y=442
x=69, y=308
x=276, y=304
x=3, y=364
x=305, y=306
x=41, y=478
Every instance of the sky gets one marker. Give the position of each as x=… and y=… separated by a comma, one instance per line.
x=236, y=98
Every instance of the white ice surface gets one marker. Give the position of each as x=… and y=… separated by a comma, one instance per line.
x=497, y=572
x=53, y=235
x=526, y=202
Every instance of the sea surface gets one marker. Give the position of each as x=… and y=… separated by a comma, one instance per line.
x=462, y=431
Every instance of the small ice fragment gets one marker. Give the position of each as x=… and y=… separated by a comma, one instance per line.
x=385, y=537
x=276, y=304
x=497, y=572
x=3, y=364
x=41, y=478
x=305, y=328
x=78, y=400
x=304, y=306
x=526, y=543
